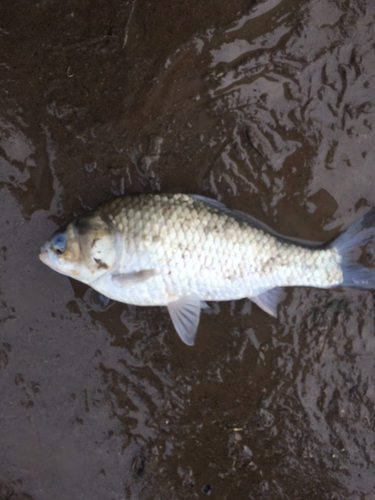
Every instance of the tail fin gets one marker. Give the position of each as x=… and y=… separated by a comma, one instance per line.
x=358, y=234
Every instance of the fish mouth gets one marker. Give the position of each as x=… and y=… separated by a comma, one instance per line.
x=44, y=256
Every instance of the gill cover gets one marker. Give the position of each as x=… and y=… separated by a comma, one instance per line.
x=99, y=243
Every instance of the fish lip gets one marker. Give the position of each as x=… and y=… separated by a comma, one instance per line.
x=44, y=256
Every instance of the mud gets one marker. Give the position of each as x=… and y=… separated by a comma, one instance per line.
x=266, y=106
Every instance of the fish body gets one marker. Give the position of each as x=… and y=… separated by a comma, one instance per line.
x=179, y=250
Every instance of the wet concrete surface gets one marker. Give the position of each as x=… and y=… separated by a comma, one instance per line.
x=266, y=106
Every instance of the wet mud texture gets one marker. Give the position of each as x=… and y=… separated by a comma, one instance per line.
x=266, y=106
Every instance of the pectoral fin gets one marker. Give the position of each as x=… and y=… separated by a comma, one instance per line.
x=268, y=301
x=99, y=301
x=185, y=313
x=128, y=279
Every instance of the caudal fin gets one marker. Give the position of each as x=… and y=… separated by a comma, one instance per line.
x=361, y=233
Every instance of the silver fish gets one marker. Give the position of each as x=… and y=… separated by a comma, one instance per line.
x=179, y=251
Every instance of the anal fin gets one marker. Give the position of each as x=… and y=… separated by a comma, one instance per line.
x=268, y=300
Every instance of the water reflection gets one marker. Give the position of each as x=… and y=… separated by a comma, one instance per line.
x=27, y=169
x=294, y=92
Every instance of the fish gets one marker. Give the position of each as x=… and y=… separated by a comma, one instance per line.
x=180, y=251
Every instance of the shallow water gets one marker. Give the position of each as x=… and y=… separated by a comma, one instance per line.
x=267, y=107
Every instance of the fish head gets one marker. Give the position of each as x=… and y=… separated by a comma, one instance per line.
x=84, y=249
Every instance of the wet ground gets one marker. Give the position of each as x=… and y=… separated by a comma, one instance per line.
x=266, y=106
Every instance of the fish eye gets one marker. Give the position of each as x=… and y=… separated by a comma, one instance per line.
x=59, y=243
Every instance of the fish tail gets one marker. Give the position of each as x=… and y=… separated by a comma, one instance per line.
x=360, y=233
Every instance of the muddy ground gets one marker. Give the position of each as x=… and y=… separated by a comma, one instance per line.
x=266, y=106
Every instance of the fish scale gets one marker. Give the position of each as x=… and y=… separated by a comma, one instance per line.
x=178, y=250
x=241, y=260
